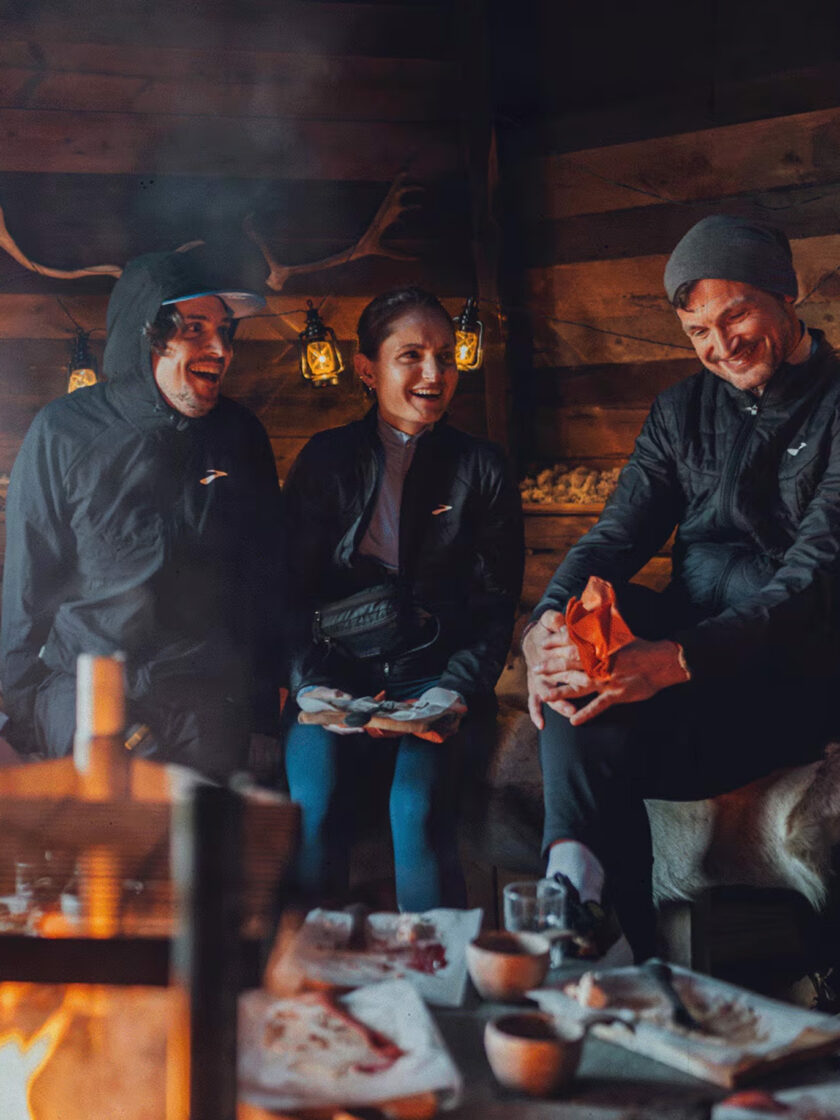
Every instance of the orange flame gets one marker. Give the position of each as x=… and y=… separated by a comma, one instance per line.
x=21, y=1060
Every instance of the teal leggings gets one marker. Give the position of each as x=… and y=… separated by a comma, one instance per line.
x=326, y=775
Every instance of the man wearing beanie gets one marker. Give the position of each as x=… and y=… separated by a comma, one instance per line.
x=142, y=517
x=734, y=668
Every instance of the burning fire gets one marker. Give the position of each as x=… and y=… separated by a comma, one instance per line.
x=22, y=1060
x=69, y=1050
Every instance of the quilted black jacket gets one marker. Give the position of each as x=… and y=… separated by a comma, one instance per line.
x=462, y=563
x=752, y=485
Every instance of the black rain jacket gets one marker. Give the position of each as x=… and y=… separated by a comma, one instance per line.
x=462, y=563
x=752, y=485
x=132, y=527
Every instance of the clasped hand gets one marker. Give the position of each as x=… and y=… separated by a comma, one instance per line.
x=556, y=675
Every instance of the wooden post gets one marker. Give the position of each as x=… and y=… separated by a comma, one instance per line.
x=206, y=867
x=102, y=762
x=481, y=158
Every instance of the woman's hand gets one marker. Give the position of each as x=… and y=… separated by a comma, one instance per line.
x=321, y=698
x=439, y=709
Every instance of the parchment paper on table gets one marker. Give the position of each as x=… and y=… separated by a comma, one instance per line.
x=429, y=950
x=743, y=1035
x=375, y=1044
x=430, y=716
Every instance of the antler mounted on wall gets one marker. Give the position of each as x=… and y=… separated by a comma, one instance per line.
x=369, y=244
x=7, y=243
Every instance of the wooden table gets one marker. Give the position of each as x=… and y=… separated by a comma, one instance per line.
x=611, y=1084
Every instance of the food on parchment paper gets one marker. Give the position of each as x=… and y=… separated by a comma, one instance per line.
x=339, y=949
x=390, y=946
x=723, y=1018
x=574, y=485
x=318, y=1036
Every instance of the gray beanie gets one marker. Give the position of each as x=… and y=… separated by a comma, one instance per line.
x=727, y=248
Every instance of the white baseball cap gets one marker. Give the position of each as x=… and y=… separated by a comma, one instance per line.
x=240, y=304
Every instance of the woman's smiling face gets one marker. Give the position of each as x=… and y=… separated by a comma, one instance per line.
x=414, y=373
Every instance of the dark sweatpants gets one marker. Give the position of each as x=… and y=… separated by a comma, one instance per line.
x=688, y=742
x=192, y=720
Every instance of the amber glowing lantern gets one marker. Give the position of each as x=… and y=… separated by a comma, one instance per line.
x=81, y=369
x=320, y=357
x=469, y=337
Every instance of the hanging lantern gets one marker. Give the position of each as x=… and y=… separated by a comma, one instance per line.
x=81, y=369
x=320, y=358
x=469, y=337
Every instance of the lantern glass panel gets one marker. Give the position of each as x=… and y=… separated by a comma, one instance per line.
x=466, y=346
x=80, y=378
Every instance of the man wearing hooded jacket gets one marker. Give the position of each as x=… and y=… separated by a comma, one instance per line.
x=735, y=667
x=142, y=517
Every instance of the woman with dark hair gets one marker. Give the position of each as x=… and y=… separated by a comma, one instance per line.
x=426, y=522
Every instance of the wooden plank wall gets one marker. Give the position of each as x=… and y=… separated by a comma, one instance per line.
x=630, y=128
x=141, y=126
x=602, y=183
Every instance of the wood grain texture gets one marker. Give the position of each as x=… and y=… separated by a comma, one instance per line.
x=630, y=385
x=685, y=167
x=298, y=26
x=615, y=311
x=41, y=316
x=254, y=147
x=67, y=219
x=803, y=212
x=540, y=567
x=91, y=77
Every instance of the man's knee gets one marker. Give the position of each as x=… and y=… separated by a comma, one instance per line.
x=605, y=746
x=55, y=715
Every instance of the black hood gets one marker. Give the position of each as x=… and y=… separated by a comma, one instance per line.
x=144, y=285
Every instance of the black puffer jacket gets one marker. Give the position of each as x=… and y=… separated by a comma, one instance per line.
x=121, y=537
x=463, y=563
x=753, y=484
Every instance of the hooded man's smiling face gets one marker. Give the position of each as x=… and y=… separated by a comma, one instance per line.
x=189, y=373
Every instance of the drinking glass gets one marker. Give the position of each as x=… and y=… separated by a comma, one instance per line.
x=539, y=906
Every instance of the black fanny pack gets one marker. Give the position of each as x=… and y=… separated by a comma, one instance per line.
x=376, y=622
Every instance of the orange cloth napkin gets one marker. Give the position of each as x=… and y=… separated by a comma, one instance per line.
x=596, y=627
